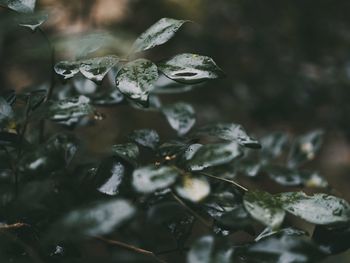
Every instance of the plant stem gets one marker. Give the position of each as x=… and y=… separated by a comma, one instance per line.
x=201, y=219
x=130, y=247
x=226, y=180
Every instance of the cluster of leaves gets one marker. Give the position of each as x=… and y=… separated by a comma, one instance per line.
x=54, y=197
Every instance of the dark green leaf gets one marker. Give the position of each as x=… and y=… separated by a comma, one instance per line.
x=21, y=6
x=214, y=154
x=268, y=232
x=190, y=68
x=6, y=112
x=193, y=188
x=320, y=209
x=305, y=148
x=109, y=97
x=181, y=117
x=264, y=208
x=135, y=79
x=164, y=85
x=229, y=132
x=150, y=178
x=67, y=69
x=145, y=137
x=32, y=21
x=128, y=152
x=157, y=34
x=96, y=69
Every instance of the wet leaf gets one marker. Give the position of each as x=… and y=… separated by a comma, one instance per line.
x=67, y=69
x=145, y=137
x=128, y=152
x=320, y=209
x=96, y=69
x=150, y=178
x=264, y=208
x=135, y=79
x=208, y=250
x=190, y=68
x=109, y=176
x=21, y=6
x=273, y=144
x=214, y=154
x=181, y=117
x=157, y=34
x=107, y=98
x=32, y=21
x=284, y=176
x=305, y=148
x=193, y=188
x=97, y=219
x=164, y=85
x=6, y=112
x=268, y=232
x=229, y=132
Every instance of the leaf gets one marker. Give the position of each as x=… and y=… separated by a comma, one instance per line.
x=21, y=6
x=208, y=250
x=128, y=152
x=229, y=132
x=268, y=232
x=320, y=209
x=274, y=144
x=135, y=79
x=67, y=109
x=193, y=188
x=97, y=219
x=305, y=148
x=32, y=21
x=6, y=112
x=190, y=68
x=67, y=69
x=96, y=69
x=150, y=178
x=214, y=154
x=164, y=85
x=283, y=249
x=157, y=34
x=264, y=208
x=145, y=137
x=109, y=176
x=107, y=98
x=181, y=117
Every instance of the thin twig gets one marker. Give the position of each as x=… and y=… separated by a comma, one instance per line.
x=227, y=180
x=131, y=248
x=201, y=219
x=13, y=226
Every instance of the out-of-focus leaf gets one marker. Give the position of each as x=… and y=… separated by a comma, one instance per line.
x=181, y=117
x=21, y=6
x=320, y=209
x=157, y=34
x=229, y=132
x=109, y=97
x=135, y=79
x=273, y=144
x=109, y=176
x=305, y=148
x=150, y=178
x=6, y=112
x=214, y=154
x=128, y=152
x=32, y=21
x=268, y=232
x=193, y=188
x=190, y=68
x=67, y=69
x=208, y=250
x=164, y=85
x=283, y=249
x=264, y=208
x=97, y=219
x=9, y=139
x=145, y=137
x=96, y=69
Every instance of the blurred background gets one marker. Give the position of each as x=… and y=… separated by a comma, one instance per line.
x=287, y=65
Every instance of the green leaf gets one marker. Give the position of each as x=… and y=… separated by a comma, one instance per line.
x=145, y=137
x=193, y=188
x=32, y=21
x=190, y=68
x=305, y=148
x=128, y=152
x=149, y=179
x=268, y=232
x=274, y=144
x=181, y=117
x=264, y=208
x=157, y=34
x=96, y=69
x=320, y=209
x=229, y=132
x=67, y=69
x=21, y=6
x=6, y=112
x=214, y=154
x=135, y=79
x=109, y=176
x=107, y=98
x=97, y=219
x=208, y=250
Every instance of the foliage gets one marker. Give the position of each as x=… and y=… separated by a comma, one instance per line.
x=148, y=192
